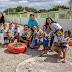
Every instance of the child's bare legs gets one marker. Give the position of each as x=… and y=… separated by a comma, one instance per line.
x=46, y=48
x=64, y=53
x=29, y=42
x=37, y=44
x=59, y=53
x=43, y=48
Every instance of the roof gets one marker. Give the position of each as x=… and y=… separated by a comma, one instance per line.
x=54, y=11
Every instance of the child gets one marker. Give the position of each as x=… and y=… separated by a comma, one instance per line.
x=29, y=35
x=40, y=35
x=64, y=45
x=44, y=28
x=10, y=33
x=1, y=31
x=47, y=37
x=57, y=40
x=36, y=36
x=5, y=33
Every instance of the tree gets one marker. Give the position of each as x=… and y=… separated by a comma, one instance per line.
x=10, y=10
x=19, y=8
x=56, y=8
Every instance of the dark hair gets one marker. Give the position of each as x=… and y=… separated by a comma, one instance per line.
x=5, y=24
x=10, y=24
x=25, y=25
x=2, y=18
x=31, y=15
x=69, y=32
x=50, y=19
x=29, y=26
x=49, y=27
x=33, y=26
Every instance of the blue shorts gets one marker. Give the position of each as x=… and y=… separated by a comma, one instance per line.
x=36, y=40
x=63, y=47
x=45, y=43
x=40, y=42
x=6, y=38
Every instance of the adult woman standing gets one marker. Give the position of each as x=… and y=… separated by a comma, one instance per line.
x=1, y=20
x=54, y=27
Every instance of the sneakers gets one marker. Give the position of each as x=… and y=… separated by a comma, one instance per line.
x=48, y=52
x=64, y=60
x=58, y=60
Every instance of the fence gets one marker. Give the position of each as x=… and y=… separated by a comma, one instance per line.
x=43, y=15
x=65, y=23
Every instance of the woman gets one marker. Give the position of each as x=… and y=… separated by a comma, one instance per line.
x=32, y=21
x=1, y=20
x=54, y=27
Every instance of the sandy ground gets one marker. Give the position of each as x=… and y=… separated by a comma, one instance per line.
x=30, y=62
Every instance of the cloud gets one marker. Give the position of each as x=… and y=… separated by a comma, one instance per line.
x=38, y=4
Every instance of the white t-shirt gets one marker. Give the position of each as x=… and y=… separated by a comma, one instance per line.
x=55, y=26
x=65, y=39
x=37, y=35
x=40, y=30
x=57, y=39
x=4, y=32
x=23, y=33
x=47, y=34
x=16, y=31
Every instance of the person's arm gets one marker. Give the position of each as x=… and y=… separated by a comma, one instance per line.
x=56, y=44
x=29, y=22
x=13, y=34
x=30, y=34
x=50, y=36
x=20, y=37
x=8, y=33
x=16, y=34
x=65, y=42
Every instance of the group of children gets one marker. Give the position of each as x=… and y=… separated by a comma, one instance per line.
x=43, y=37
x=37, y=36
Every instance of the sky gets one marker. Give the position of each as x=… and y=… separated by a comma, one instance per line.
x=38, y=4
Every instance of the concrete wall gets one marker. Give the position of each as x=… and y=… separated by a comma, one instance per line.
x=66, y=24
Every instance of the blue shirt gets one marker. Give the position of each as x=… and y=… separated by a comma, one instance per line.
x=32, y=23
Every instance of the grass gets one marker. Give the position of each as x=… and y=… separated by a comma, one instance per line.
x=43, y=15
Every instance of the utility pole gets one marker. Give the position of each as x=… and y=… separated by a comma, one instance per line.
x=70, y=9
x=8, y=11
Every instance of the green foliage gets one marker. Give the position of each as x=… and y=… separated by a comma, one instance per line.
x=56, y=8
x=11, y=13
x=20, y=8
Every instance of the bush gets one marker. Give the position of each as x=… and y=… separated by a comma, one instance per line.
x=11, y=13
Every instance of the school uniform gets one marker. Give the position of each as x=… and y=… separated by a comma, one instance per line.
x=4, y=34
x=46, y=41
x=64, y=46
x=23, y=35
x=16, y=31
x=54, y=27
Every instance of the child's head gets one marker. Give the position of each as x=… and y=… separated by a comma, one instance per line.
x=44, y=27
x=34, y=27
x=10, y=26
x=67, y=33
x=29, y=28
x=16, y=26
x=25, y=27
x=5, y=25
x=48, y=28
x=58, y=32
x=38, y=27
